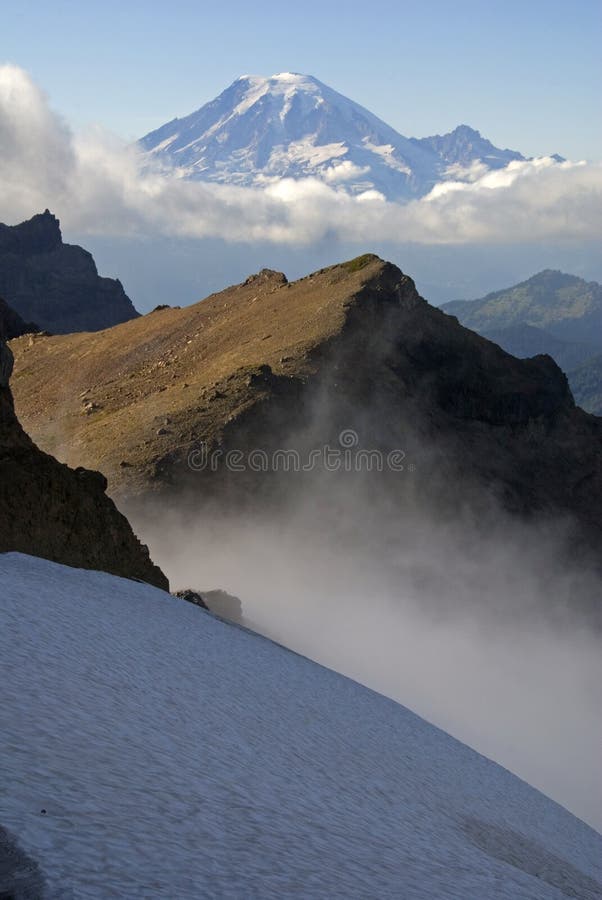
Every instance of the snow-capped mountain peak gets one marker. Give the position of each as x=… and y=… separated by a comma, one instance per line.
x=289, y=125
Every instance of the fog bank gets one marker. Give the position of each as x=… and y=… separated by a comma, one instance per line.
x=478, y=634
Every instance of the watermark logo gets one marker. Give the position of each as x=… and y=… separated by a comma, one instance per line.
x=348, y=456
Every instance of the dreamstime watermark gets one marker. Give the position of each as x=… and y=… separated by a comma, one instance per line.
x=347, y=457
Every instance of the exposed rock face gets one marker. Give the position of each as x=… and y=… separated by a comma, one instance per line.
x=49, y=510
x=272, y=365
x=57, y=285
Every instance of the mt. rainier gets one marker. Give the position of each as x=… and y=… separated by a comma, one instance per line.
x=261, y=130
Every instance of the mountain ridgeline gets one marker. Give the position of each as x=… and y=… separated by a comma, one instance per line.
x=553, y=313
x=273, y=365
x=293, y=126
x=56, y=285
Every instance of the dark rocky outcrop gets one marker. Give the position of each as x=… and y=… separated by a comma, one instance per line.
x=219, y=602
x=50, y=510
x=191, y=596
x=54, y=284
x=11, y=323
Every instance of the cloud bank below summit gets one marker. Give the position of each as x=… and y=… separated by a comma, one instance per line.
x=95, y=184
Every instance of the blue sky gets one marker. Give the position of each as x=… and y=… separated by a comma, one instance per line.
x=527, y=75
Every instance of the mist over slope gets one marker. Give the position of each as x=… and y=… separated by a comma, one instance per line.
x=164, y=753
x=479, y=623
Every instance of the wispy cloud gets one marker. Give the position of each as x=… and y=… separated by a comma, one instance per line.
x=95, y=184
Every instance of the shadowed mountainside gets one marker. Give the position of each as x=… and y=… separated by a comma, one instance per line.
x=550, y=313
x=49, y=510
x=11, y=323
x=54, y=284
x=271, y=364
x=526, y=340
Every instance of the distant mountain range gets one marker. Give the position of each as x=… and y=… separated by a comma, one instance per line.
x=553, y=313
x=294, y=126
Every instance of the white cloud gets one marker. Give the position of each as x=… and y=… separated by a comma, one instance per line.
x=344, y=171
x=472, y=172
x=94, y=184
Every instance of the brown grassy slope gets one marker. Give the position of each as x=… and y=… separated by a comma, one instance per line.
x=164, y=371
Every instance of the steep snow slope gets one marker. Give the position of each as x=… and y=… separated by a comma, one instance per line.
x=180, y=757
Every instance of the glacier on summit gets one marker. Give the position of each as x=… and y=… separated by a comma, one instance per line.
x=260, y=130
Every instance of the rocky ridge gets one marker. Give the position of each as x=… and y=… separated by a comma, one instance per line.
x=54, y=284
x=271, y=364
